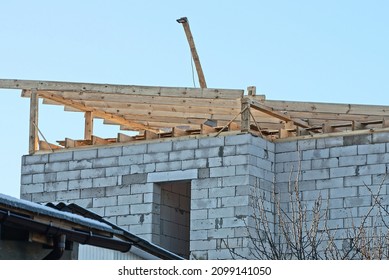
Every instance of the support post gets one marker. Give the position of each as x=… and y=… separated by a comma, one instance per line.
x=33, y=144
x=245, y=118
x=88, y=125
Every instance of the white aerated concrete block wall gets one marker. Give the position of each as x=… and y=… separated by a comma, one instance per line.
x=123, y=183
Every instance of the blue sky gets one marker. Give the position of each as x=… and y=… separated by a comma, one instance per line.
x=318, y=51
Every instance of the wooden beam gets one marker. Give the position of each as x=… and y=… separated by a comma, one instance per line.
x=33, y=131
x=99, y=141
x=279, y=115
x=123, y=138
x=252, y=90
x=195, y=56
x=88, y=125
x=44, y=146
x=245, y=116
x=121, y=89
x=100, y=114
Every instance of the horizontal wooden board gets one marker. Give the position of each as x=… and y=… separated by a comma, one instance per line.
x=121, y=89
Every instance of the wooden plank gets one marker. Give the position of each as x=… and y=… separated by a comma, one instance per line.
x=150, y=135
x=252, y=90
x=124, y=138
x=119, y=100
x=88, y=131
x=101, y=114
x=33, y=131
x=318, y=107
x=179, y=132
x=121, y=89
x=245, y=116
x=279, y=115
x=99, y=141
x=195, y=56
x=44, y=146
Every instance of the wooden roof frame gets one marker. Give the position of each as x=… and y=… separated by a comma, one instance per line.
x=160, y=112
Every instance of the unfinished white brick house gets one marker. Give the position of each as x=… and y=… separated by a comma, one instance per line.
x=185, y=180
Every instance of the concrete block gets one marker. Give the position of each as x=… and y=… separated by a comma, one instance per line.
x=221, y=192
x=32, y=188
x=105, y=162
x=325, y=163
x=357, y=201
x=60, y=156
x=84, y=154
x=119, y=190
x=143, y=168
x=134, y=149
x=316, y=154
x=380, y=179
x=130, y=199
x=221, y=233
x=80, y=184
x=69, y=175
x=357, y=139
x=198, y=235
x=380, y=137
x=343, y=213
x=372, y=169
x=209, y=142
x=311, y=195
x=185, y=144
x=26, y=179
x=335, y=203
x=168, y=166
x=144, y=188
x=57, y=166
x=240, y=139
x=288, y=156
x=282, y=147
x=105, y=201
x=194, y=163
x=206, y=183
x=202, y=224
x=329, y=183
x=378, y=158
x=343, y=171
x=44, y=197
x=371, y=149
x=203, y=173
x=209, y=152
x=315, y=174
x=134, y=179
x=214, y=162
x=279, y=167
x=343, y=151
x=156, y=157
x=109, y=152
x=244, y=149
x=92, y=173
x=233, y=222
x=116, y=171
x=144, y=208
x=80, y=164
x=352, y=160
x=35, y=159
x=92, y=192
x=309, y=144
x=229, y=150
x=343, y=192
x=203, y=203
x=159, y=147
x=131, y=159
x=351, y=181
x=201, y=214
x=239, y=180
x=259, y=142
x=329, y=142
x=38, y=178
x=116, y=210
x=56, y=186
x=172, y=175
x=181, y=155
x=105, y=182
x=298, y=165
x=66, y=195
x=199, y=194
x=235, y=160
x=33, y=169
x=222, y=171
x=235, y=201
